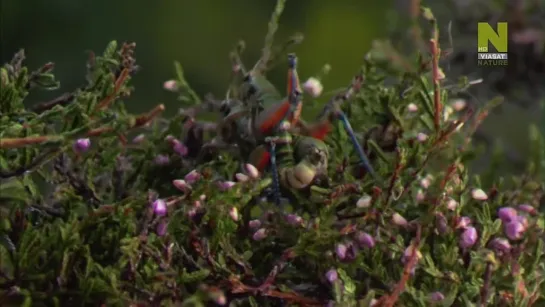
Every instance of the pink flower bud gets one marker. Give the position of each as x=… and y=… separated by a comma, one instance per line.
x=81, y=145
x=458, y=105
x=420, y=196
x=422, y=137
x=399, y=220
x=170, y=85
x=191, y=213
x=226, y=185
x=514, y=230
x=331, y=275
x=139, y=139
x=408, y=252
x=437, y=296
x=452, y=204
x=179, y=148
x=161, y=229
x=294, y=220
x=254, y=224
x=527, y=209
x=425, y=182
x=162, y=160
x=181, y=185
x=192, y=177
x=251, y=171
x=364, y=201
x=159, y=207
x=233, y=213
x=365, y=240
x=468, y=237
x=260, y=234
x=463, y=222
x=507, y=214
x=523, y=221
x=412, y=108
x=478, y=194
x=313, y=87
x=241, y=177
x=500, y=245
x=202, y=197
x=341, y=250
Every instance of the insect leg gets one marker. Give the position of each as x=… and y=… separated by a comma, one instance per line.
x=294, y=90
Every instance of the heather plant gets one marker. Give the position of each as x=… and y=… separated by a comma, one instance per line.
x=102, y=207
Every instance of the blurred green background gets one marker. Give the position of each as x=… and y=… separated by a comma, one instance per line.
x=200, y=35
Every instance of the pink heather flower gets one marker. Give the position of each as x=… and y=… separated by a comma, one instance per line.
x=81, y=145
x=514, y=230
x=452, y=204
x=507, y=214
x=159, y=207
x=226, y=185
x=341, y=250
x=469, y=237
x=162, y=160
x=500, y=245
x=254, y=224
x=364, y=239
x=463, y=222
x=192, y=177
x=313, y=87
x=294, y=219
x=399, y=220
x=197, y=204
x=233, y=213
x=437, y=296
x=425, y=182
x=331, y=275
x=202, y=197
x=139, y=139
x=179, y=148
x=420, y=196
x=260, y=234
x=412, y=108
x=251, y=171
x=408, y=252
x=161, y=229
x=181, y=185
x=459, y=104
x=422, y=137
x=170, y=85
x=527, y=209
x=242, y=177
x=478, y=194
x=523, y=220
x=364, y=201
x=191, y=213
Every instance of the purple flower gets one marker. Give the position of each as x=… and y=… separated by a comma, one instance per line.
x=365, y=239
x=260, y=234
x=527, y=209
x=81, y=145
x=399, y=220
x=242, y=177
x=294, y=219
x=139, y=139
x=226, y=185
x=507, y=214
x=159, y=207
x=469, y=237
x=331, y=275
x=514, y=230
x=437, y=296
x=251, y=171
x=162, y=160
x=181, y=185
x=192, y=177
x=254, y=224
x=161, y=229
x=463, y=222
x=179, y=148
x=500, y=245
x=341, y=250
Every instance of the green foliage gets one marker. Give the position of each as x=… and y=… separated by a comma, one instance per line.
x=78, y=226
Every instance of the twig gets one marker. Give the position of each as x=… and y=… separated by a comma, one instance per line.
x=22, y=142
x=434, y=49
x=390, y=300
x=117, y=87
x=486, y=285
x=62, y=100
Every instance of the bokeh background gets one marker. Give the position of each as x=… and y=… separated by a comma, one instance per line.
x=201, y=33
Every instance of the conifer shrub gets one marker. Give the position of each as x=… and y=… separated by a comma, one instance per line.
x=102, y=207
